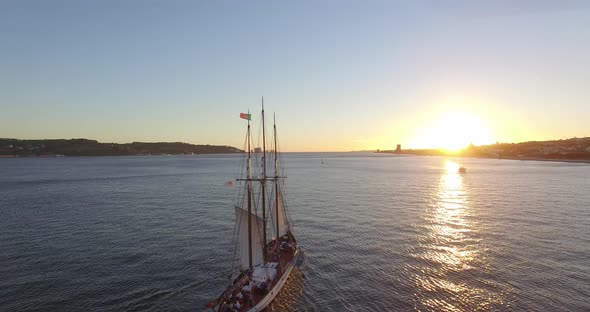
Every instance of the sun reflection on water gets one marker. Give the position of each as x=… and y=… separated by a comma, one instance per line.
x=448, y=225
x=452, y=247
x=290, y=293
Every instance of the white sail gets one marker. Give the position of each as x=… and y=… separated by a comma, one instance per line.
x=242, y=222
x=281, y=219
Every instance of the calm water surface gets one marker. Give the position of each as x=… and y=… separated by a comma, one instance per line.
x=382, y=233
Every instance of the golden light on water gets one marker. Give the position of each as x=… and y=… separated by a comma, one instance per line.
x=289, y=294
x=449, y=226
x=452, y=245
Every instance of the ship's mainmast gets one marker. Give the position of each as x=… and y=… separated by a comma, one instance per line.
x=263, y=181
x=276, y=176
x=249, y=197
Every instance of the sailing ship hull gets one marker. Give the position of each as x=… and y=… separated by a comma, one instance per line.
x=277, y=288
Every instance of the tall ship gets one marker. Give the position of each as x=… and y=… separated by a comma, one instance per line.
x=266, y=250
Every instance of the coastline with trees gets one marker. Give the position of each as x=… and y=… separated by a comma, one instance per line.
x=85, y=147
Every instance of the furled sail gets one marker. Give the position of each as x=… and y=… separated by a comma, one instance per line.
x=281, y=219
x=242, y=222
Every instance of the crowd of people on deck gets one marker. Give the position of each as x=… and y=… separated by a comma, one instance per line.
x=238, y=302
x=241, y=297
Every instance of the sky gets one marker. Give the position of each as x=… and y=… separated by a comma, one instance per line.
x=340, y=75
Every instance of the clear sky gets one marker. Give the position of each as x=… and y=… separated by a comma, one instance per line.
x=340, y=75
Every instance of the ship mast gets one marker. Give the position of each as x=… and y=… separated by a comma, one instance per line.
x=276, y=176
x=263, y=186
x=249, y=198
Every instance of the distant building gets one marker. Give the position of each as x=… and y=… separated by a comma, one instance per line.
x=258, y=150
x=398, y=149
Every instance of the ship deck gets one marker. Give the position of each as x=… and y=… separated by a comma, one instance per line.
x=237, y=293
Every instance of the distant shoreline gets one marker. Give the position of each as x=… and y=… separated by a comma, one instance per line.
x=573, y=150
x=139, y=155
x=581, y=161
x=84, y=147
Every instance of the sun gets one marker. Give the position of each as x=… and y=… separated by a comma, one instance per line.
x=452, y=131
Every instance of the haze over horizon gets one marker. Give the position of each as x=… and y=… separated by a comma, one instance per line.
x=340, y=76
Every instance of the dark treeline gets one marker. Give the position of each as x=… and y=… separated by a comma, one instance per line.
x=84, y=147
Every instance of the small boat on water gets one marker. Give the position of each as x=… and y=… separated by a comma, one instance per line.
x=462, y=169
x=266, y=246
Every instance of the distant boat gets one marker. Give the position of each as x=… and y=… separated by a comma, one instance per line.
x=264, y=266
x=462, y=170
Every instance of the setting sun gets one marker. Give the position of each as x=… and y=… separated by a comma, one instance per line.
x=452, y=131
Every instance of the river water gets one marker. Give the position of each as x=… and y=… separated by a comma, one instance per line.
x=381, y=233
